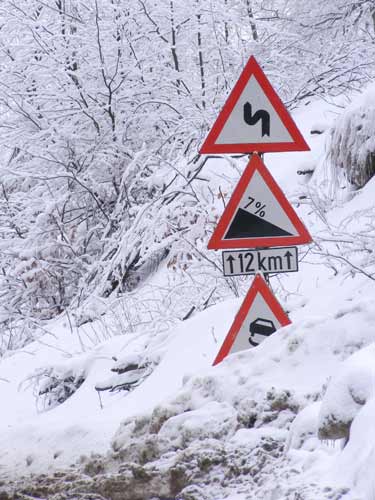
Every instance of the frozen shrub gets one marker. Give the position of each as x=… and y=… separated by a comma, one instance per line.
x=53, y=385
x=352, y=146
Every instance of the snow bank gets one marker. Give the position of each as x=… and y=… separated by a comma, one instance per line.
x=60, y=436
x=247, y=427
x=213, y=420
x=350, y=388
x=304, y=429
x=357, y=460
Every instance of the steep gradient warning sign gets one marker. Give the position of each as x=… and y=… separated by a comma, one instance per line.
x=258, y=214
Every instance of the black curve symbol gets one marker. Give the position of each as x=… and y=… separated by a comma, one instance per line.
x=252, y=119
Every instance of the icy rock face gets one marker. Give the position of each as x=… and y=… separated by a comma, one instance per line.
x=352, y=145
x=304, y=429
x=357, y=459
x=214, y=420
x=346, y=393
x=210, y=434
x=203, y=411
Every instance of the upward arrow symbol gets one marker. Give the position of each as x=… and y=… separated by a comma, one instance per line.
x=252, y=119
x=230, y=259
x=288, y=256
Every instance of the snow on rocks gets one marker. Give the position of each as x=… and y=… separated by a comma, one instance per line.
x=304, y=429
x=213, y=420
x=266, y=391
x=350, y=388
x=345, y=415
x=356, y=462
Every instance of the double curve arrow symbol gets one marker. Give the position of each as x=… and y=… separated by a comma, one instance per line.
x=252, y=119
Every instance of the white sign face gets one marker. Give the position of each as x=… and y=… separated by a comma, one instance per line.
x=253, y=119
x=259, y=324
x=272, y=260
x=259, y=214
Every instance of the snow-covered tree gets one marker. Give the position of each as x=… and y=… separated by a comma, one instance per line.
x=104, y=104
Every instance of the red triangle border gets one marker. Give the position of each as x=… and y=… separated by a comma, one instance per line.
x=217, y=239
x=252, y=68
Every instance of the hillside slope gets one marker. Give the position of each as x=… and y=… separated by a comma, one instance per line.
x=246, y=429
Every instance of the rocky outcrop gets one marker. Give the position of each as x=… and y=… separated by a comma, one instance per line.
x=346, y=393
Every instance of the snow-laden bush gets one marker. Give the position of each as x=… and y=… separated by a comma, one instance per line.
x=53, y=385
x=352, y=145
x=127, y=373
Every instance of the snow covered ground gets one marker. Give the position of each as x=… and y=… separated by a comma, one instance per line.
x=275, y=393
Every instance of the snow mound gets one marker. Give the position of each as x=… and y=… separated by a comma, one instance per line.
x=356, y=462
x=347, y=392
x=347, y=411
x=214, y=420
x=304, y=429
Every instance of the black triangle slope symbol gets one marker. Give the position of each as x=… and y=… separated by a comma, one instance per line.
x=247, y=225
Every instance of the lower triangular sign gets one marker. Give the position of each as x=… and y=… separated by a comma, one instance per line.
x=259, y=316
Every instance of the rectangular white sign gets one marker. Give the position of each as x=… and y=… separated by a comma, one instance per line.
x=269, y=260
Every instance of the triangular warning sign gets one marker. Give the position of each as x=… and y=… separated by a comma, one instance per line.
x=253, y=119
x=259, y=316
x=258, y=214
